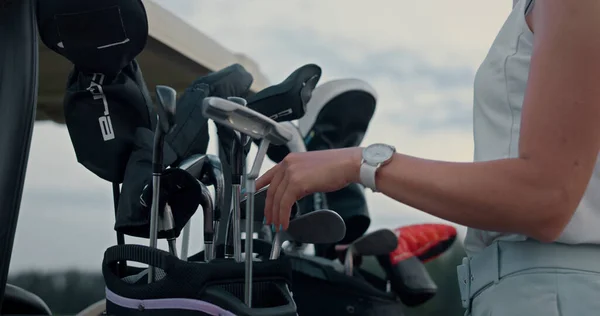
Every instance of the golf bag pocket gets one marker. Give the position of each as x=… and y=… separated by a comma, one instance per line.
x=102, y=116
x=193, y=288
x=96, y=36
x=321, y=289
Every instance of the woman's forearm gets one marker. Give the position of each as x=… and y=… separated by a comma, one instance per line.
x=503, y=195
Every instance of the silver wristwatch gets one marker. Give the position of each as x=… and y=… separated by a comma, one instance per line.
x=373, y=157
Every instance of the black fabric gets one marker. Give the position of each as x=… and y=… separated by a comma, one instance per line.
x=102, y=115
x=339, y=294
x=190, y=135
x=287, y=100
x=178, y=188
x=96, y=36
x=219, y=282
x=18, y=301
x=18, y=99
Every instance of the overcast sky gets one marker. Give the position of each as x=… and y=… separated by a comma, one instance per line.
x=420, y=56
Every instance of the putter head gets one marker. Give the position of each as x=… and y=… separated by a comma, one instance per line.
x=194, y=165
x=318, y=227
x=376, y=243
x=165, y=109
x=245, y=120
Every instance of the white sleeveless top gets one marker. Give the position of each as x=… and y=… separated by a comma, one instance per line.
x=498, y=98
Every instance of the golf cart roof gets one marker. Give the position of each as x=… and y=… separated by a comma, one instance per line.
x=176, y=53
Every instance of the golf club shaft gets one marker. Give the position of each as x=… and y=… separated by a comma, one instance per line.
x=209, y=249
x=349, y=262
x=250, y=189
x=229, y=232
x=237, y=230
x=215, y=236
x=172, y=246
x=276, y=248
x=154, y=218
x=185, y=243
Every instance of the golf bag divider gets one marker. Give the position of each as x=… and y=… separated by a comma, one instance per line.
x=195, y=288
x=260, y=247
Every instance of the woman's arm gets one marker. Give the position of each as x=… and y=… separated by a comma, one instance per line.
x=536, y=193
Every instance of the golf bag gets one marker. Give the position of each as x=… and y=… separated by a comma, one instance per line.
x=195, y=288
x=338, y=294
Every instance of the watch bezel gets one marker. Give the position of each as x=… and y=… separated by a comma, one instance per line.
x=368, y=158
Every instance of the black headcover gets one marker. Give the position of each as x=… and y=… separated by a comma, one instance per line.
x=287, y=100
x=189, y=137
x=96, y=36
x=102, y=115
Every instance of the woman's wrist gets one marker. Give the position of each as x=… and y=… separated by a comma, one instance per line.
x=352, y=164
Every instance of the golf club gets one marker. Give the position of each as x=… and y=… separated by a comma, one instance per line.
x=322, y=226
x=165, y=109
x=238, y=164
x=209, y=232
x=213, y=174
x=258, y=126
x=376, y=243
x=167, y=224
x=194, y=166
x=185, y=240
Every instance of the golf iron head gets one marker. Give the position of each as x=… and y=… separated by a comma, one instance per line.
x=376, y=243
x=322, y=226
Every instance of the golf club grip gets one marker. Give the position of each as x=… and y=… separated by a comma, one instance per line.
x=287, y=100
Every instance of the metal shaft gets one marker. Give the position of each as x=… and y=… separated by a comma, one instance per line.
x=172, y=246
x=276, y=247
x=154, y=219
x=250, y=189
x=349, y=262
x=237, y=229
x=185, y=243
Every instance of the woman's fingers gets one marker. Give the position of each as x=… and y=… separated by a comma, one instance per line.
x=267, y=178
x=271, y=191
x=285, y=207
x=281, y=189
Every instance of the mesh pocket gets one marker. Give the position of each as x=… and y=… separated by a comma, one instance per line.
x=265, y=294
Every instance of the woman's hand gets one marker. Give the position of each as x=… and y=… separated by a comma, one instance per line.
x=301, y=174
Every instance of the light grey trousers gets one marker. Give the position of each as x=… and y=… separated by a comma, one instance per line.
x=543, y=292
x=532, y=279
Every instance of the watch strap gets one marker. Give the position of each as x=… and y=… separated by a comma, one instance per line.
x=367, y=175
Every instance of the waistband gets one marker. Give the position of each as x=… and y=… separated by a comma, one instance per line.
x=503, y=258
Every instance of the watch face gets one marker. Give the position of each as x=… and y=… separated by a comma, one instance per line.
x=378, y=153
